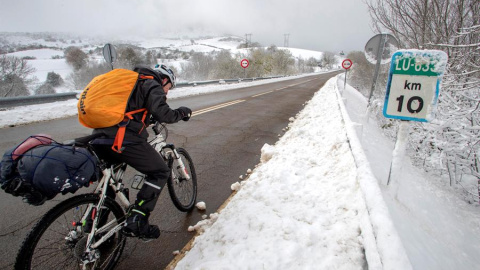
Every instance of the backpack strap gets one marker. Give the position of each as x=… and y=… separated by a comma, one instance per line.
x=122, y=126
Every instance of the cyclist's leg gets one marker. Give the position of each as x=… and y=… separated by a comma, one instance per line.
x=145, y=159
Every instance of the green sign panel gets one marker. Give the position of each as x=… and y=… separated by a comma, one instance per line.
x=418, y=63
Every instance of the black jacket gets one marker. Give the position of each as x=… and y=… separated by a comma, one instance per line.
x=148, y=94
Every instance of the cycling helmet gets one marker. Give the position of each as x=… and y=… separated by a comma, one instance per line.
x=164, y=71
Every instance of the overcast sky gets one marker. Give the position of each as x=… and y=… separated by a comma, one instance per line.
x=323, y=25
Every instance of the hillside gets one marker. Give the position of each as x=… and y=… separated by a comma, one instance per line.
x=45, y=51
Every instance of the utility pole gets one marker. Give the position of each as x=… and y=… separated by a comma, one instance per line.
x=248, y=38
x=285, y=40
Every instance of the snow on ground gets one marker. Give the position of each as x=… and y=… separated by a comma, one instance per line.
x=439, y=229
x=302, y=53
x=57, y=40
x=153, y=43
x=43, y=64
x=188, y=44
x=38, y=53
x=304, y=206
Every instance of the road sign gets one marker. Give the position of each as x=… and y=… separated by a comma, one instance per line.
x=347, y=63
x=109, y=53
x=244, y=63
x=380, y=47
x=414, y=84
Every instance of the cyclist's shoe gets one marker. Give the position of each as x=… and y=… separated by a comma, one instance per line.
x=137, y=226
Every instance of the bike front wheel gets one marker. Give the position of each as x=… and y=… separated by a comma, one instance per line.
x=183, y=191
x=59, y=239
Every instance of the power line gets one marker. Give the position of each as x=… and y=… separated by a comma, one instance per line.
x=248, y=39
x=285, y=40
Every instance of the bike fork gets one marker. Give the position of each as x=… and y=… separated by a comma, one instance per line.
x=179, y=162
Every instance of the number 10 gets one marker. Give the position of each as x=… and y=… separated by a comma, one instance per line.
x=409, y=104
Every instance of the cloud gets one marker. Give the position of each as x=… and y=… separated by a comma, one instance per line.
x=311, y=24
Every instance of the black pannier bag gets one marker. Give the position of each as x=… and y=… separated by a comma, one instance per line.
x=39, y=168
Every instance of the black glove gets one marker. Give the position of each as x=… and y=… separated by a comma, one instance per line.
x=185, y=112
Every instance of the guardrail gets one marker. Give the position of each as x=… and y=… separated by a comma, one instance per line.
x=39, y=99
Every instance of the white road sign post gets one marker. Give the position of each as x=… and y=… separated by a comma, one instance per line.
x=244, y=63
x=346, y=64
x=412, y=93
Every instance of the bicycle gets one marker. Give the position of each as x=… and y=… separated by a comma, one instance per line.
x=83, y=232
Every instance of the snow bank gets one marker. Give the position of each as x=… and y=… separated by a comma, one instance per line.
x=390, y=248
x=310, y=204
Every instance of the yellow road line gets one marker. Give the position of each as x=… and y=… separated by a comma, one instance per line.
x=263, y=93
x=216, y=107
x=223, y=105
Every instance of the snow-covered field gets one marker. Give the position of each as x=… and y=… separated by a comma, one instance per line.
x=44, y=63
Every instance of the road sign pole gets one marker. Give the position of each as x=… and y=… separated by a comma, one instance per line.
x=412, y=90
x=399, y=152
x=244, y=64
x=346, y=64
x=109, y=52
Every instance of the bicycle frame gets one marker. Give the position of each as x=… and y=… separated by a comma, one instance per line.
x=115, y=182
x=113, y=177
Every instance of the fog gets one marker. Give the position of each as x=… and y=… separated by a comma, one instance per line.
x=323, y=25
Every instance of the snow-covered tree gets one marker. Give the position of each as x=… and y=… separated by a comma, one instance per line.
x=451, y=143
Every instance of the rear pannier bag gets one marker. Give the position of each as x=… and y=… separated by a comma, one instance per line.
x=45, y=170
x=53, y=169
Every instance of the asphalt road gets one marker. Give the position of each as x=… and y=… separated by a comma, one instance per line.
x=224, y=138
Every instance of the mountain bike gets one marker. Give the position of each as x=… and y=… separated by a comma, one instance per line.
x=84, y=232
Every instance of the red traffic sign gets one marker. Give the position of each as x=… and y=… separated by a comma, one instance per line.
x=244, y=63
x=347, y=63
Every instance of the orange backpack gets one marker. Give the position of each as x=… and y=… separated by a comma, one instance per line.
x=103, y=103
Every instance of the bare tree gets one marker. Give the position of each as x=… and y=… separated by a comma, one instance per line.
x=225, y=66
x=14, y=73
x=76, y=57
x=328, y=60
x=198, y=68
x=129, y=57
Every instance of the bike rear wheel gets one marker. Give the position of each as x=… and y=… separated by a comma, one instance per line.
x=47, y=246
x=182, y=191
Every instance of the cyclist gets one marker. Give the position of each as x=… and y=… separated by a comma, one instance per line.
x=138, y=153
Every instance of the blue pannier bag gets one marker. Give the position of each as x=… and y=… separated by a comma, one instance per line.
x=41, y=170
